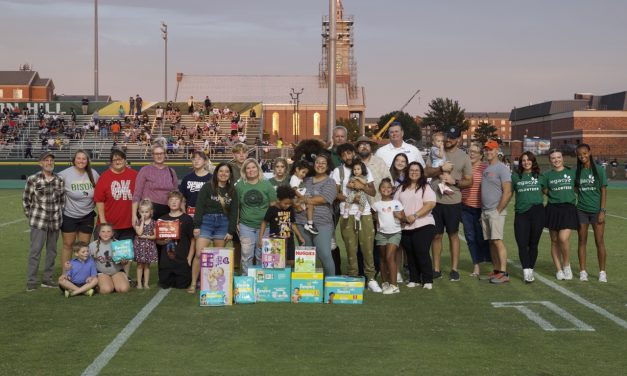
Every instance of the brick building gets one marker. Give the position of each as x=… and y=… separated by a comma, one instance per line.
x=500, y=120
x=600, y=121
x=25, y=86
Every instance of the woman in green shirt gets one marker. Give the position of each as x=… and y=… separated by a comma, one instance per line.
x=529, y=219
x=590, y=185
x=561, y=213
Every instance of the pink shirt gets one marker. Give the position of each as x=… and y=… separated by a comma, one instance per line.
x=413, y=201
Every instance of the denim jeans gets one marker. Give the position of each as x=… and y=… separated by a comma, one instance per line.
x=478, y=247
x=322, y=242
x=248, y=238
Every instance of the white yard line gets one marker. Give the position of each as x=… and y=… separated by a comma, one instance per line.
x=109, y=352
x=12, y=222
x=615, y=216
x=601, y=311
x=7, y=196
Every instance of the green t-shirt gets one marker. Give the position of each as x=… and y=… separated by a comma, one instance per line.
x=589, y=198
x=561, y=186
x=275, y=183
x=254, y=200
x=528, y=190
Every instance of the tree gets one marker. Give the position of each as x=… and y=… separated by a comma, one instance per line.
x=352, y=127
x=408, y=123
x=445, y=113
x=485, y=132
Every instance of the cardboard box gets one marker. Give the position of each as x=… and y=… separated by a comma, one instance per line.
x=216, y=277
x=305, y=260
x=243, y=290
x=122, y=250
x=307, y=287
x=271, y=285
x=344, y=290
x=273, y=253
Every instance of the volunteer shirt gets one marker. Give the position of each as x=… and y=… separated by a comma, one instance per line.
x=589, y=197
x=385, y=215
x=254, y=200
x=191, y=185
x=336, y=176
x=560, y=186
x=461, y=167
x=116, y=192
x=492, y=181
x=103, y=255
x=413, y=201
x=528, y=191
x=79, y=192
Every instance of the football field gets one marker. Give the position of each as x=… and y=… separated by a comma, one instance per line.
x=468, y=327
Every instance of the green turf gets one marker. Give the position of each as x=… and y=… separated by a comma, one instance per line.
x=451, y=330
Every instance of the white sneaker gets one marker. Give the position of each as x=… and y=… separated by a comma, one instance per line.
x=384, y=286
x=602, y=276
x=374, y=286
x=583, y=276
x=413, y=284
x=399, y=277
x=531, y=277
x=526, y=275
x=428, y=286
x=568, y=273
x=560, y=275
x=391, y=290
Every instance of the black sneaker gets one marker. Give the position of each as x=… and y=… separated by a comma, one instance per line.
x=49, y=285
x=311, y=228
x=437, y=274
x=453, y=276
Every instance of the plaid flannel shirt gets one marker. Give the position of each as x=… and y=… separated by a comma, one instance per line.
x=43, y=201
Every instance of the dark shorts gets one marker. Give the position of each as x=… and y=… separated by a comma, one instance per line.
x=214, y=226
x=561, y=217
x=587, y=218
x=447, y=216
x=84, y=225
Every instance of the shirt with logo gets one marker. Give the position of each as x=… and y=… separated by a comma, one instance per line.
x=116, y=192
x=560, y=186
x=190, y=187
x=589, y=196
x=79, y=192
x=528, y=191
x=254, y=200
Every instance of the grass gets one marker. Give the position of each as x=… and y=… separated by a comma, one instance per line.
x=451, y=330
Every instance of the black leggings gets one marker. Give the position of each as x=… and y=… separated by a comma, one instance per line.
x=417, y=243
x=528, y=228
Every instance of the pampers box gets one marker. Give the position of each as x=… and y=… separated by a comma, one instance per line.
x=344, y=290
x=244, y=289
x=122, y=250
x=271, y=285
x=273, y=253
x=216, y=277
x=307, y=287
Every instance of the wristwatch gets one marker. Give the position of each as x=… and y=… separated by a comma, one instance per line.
x=603, y=210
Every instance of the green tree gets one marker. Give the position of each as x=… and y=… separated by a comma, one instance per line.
x=484, y=132
x=352, y=126
x=445, y=113
x=408, y=123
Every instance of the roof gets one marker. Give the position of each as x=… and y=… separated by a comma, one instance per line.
x=494, y=115
x=608, y=102
x=18, y=77
x=266, y=89
x=78, y=98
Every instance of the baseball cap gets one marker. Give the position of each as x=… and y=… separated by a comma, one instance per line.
x=454, y=132
x=491, y=144
x=45, y=155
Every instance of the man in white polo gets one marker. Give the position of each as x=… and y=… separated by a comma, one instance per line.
x=397, y=145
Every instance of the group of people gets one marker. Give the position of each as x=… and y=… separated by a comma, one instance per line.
x=304, y=203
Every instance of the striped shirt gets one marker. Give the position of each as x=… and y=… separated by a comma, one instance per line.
x=43, y=201
x=472, y=196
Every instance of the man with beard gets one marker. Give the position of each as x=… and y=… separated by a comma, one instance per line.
x=448, y=209
x=357, y=231
x=43, y=202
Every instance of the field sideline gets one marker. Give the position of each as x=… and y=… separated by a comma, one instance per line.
x=469, y=327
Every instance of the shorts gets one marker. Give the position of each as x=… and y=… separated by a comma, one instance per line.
x=492, y=224
x=587, y=218
x=561, y=217
x=83, y=225
x=214, y=226
x=447, y=216
x=385, y=239
x=123, y=233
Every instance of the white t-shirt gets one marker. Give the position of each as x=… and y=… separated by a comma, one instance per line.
x=388, y=152
x=296, y=182
x=385, y=214
x=347, y=177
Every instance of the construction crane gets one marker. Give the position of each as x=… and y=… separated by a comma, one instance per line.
x=379, y=134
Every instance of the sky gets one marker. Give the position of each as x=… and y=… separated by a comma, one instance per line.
x=490, y=55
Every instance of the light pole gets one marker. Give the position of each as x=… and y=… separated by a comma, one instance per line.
x=295, y=95
x=95, y=50
x=164, y=35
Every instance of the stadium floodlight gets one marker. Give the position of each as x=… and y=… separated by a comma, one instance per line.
x=164, y=35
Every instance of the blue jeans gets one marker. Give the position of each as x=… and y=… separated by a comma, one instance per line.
x=322, y=242
x=214, y=226
x=478, y=247
x=248, y=238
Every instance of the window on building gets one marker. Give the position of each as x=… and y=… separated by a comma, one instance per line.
x=17, y=93
x=465, y=136
x=316, y=124
x=1, y=93
x=502, y=122
x=502, y=129
x=296, y=124
x=473, y=122
x=275, y=123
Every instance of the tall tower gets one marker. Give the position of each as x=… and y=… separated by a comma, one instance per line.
x=345, y=67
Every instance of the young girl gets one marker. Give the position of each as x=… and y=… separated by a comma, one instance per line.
x=111, y=275
x=359, y=173
x=438, y=157
x=398, y=170
x=81, y=277
x=591, y=187
x=280, y=171
x=389, y=215
x=144, y=243
x=300, y=169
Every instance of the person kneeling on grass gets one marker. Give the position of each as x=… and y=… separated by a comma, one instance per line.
x=81, y=276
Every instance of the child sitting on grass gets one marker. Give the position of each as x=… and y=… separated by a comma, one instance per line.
x=81, y=277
